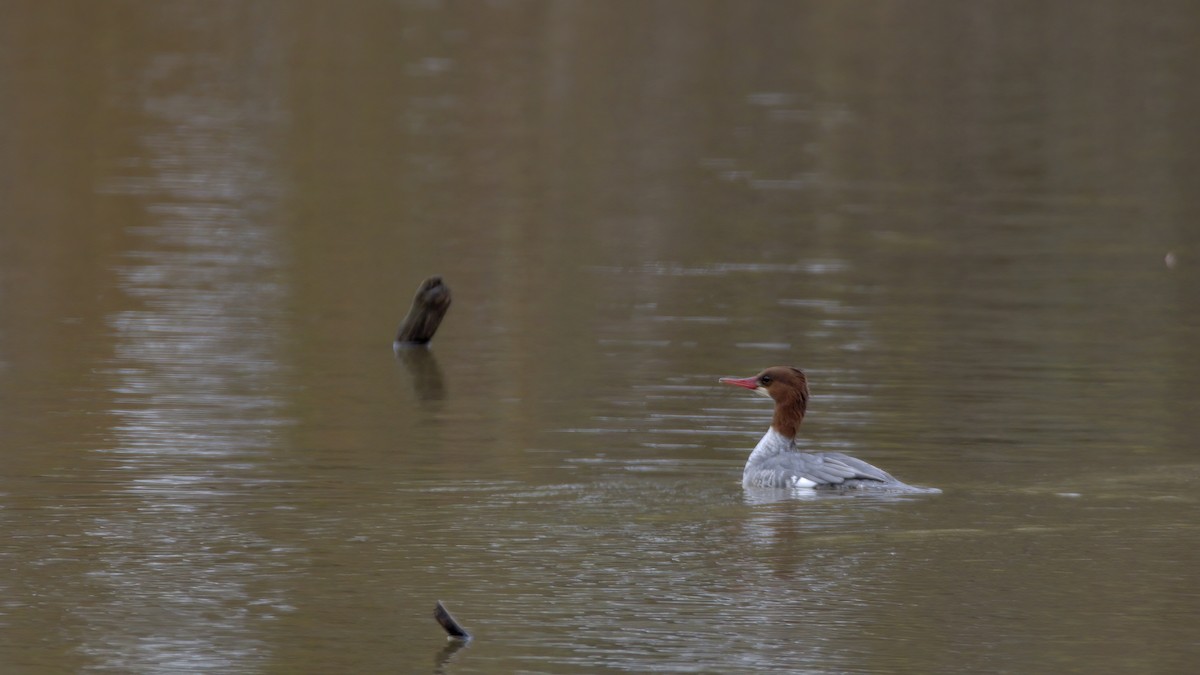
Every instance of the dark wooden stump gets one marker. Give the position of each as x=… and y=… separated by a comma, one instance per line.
x=429, y=305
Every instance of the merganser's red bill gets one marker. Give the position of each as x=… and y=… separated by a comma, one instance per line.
x=746, y=382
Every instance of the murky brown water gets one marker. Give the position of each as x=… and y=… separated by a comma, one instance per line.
x=956, y=216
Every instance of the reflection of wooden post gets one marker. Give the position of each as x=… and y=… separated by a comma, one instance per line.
x=423, y=368
x=428, y=307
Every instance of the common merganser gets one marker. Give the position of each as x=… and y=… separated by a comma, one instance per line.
x=776, y=463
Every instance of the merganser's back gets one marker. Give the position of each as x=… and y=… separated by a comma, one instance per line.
x=776, y=463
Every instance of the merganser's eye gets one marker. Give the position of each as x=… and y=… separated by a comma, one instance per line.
x=764, y=380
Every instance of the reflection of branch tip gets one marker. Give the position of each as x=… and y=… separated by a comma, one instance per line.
x=453, y=629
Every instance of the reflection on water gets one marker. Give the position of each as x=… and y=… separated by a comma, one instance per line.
x=194, y=359
x=423, y=369
x=951, y=217
x=644, y=573
x=446, y=657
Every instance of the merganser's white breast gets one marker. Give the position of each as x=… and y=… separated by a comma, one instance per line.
x=764, y=468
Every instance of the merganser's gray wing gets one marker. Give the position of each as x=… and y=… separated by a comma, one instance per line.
x=816, y=470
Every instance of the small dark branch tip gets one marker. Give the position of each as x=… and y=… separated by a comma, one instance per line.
x=453, y=629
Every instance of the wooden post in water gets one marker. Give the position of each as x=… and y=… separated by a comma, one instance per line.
x=429, y=305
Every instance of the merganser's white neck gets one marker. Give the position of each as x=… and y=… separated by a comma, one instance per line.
x=772, y=443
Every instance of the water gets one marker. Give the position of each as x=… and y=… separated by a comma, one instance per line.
x=972, y=224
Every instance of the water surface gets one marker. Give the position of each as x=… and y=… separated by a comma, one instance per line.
x=973, y=224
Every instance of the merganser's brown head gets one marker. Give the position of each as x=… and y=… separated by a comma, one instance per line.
x=789, y=389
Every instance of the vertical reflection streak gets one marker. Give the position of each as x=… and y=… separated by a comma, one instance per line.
x=187, y=579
